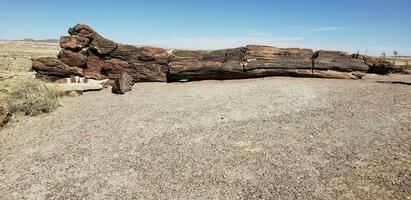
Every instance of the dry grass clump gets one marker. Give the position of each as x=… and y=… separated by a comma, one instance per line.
x=27, y=95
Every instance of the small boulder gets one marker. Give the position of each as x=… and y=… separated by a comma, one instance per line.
x=124, y=83
x=5, y=116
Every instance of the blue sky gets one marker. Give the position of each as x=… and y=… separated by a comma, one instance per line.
x=373, y=25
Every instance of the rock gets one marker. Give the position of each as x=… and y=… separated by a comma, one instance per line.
x=125, y=52
x=124, y=83
x=74, y=43
x=5, y=116
x=80, y=87
x=262, y=61
x=148, y=72
x=338, y=61
x=236, y=54
x=99, y=44
x=103, y=46
x=82, y=30
x=266, y=57
x=337, y=74
x=86, y=53
x=202, y=70
x=140, y=71
x=153, y=55
x=78, y=79
x=53, y=69
x=201, y=65
x=207, y=56
x=380, y=66
x=73, y=59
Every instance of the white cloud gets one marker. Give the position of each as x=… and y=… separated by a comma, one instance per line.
x=329, y=28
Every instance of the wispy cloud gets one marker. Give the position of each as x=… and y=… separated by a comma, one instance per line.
x=254, y=33
x=328, y=28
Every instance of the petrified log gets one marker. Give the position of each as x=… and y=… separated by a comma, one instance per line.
x=200, y=65
x=98, y=44
x=202, y=70
x=125, y=52
x=74, y=43
x=86, y=53
x=338, y=61
x=53, y=69
x=124, y=83
x=266, y=57
x=73, y=59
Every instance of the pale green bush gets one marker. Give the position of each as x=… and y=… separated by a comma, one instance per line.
x=28, y=95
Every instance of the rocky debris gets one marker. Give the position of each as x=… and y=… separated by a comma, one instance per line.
x=5, y=116
x=54, y=69
x=88, y=54
x=379, y=65
x=124, y=83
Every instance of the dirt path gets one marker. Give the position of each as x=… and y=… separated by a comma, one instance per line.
x=245, y=139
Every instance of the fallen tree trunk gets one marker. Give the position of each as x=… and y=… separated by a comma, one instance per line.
x=88, y=54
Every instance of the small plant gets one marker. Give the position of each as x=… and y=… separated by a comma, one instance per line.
x=383, y=55
x=28, y=95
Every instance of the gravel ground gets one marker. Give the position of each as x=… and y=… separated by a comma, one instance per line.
x=293, y=138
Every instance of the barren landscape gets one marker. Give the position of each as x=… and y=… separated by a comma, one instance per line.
x=256, y=138
x=277, y=137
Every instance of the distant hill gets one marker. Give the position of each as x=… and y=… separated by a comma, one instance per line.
x=33, y=40
x=44, y=40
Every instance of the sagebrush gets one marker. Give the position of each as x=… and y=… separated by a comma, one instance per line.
x=28, y=95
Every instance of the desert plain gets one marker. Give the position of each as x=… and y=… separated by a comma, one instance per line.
x=267, y=138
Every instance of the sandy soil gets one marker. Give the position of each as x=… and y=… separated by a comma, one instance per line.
x=293, y=138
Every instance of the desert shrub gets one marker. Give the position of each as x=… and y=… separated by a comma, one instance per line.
x=28, y=95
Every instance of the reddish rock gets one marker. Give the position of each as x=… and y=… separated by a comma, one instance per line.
x=140, y=71
x=82, y=30
x=148, y=72
x=98, y=44
x=123, y=83
x=73, y=59
x=338, y=61
x=74, y=43
x=54, y=69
